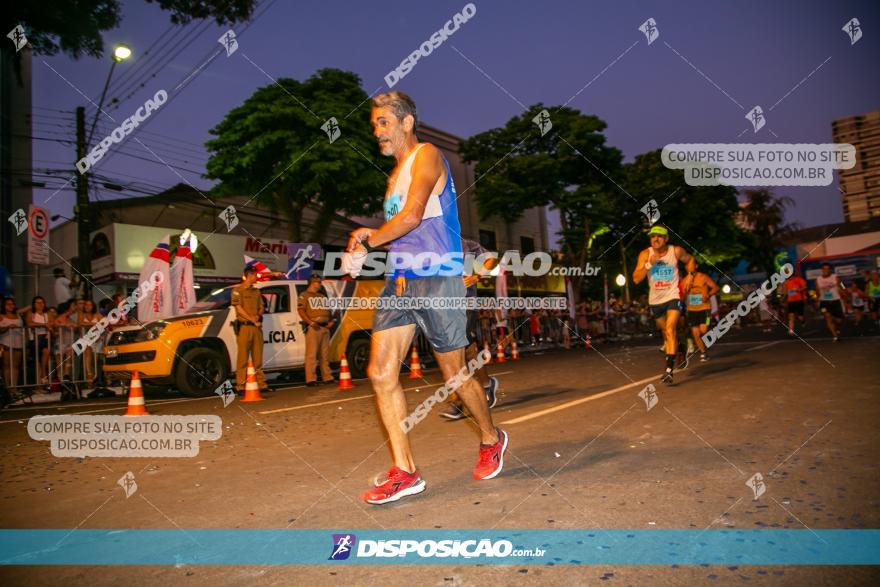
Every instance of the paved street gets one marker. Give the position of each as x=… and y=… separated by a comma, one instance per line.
x=585, y=452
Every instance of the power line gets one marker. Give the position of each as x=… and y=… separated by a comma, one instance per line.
x=141, y=70
x=134, y=87
x=146, y=56
x=201, y=64
x=166, y=153
x=33, y=138
x=157, y=162
x=167, y=145
x=40, y=116
x=52, y=109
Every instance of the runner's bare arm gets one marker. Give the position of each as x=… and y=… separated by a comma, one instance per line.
x=682, y=255
x=713, y=287
x=641, y=271
x=426, y=170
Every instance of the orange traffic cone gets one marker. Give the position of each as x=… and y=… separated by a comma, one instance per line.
x=499, y=353
x=487, y=353
x=251, y=388
x=344, y=375
x=514, y=352
x=588, y=343
x=415, y=368
x=136, y=405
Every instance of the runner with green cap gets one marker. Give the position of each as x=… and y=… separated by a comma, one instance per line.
x=659, y=263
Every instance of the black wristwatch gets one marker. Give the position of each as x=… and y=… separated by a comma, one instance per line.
x=366, y=244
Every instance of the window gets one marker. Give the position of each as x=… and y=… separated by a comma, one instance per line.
x=487, y=240
x=217, y=299
x=526, y=245
x=277, y=298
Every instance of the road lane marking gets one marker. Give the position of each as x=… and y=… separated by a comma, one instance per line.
x=348, y=399
x=577, y=402
x=76, y=406
x=327, y=403
x=763, y=346
x=120, y=407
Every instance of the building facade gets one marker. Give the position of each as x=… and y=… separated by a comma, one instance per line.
x=860, y=185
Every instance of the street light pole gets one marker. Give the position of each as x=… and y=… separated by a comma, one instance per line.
x=81, y=211
x=101, y=102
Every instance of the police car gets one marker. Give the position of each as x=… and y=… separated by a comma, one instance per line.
x=195, y=352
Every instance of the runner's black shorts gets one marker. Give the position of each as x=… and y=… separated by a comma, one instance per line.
x=659, y=310
x=873, y=304
x=796, y=308
x=445, y=329
x=697, y=318
x=473, y=325
x=834, y=307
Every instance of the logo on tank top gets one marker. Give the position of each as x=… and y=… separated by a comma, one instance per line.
x=392, y=206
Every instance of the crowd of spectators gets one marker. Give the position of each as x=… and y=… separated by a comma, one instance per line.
x=37, y=340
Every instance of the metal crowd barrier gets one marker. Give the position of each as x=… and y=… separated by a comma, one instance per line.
x=24, y=373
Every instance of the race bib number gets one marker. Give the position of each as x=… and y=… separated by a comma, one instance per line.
x=793, y=293
x=392, y=206
x=695, y=299
x=828, y=295
x=858, y=302
x=662, y=273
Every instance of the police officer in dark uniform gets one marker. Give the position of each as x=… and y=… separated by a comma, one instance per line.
x=249, y=308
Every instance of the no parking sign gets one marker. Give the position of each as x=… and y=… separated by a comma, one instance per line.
x=38, y=236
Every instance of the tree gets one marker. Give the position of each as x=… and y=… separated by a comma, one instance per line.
x=273, y=146
x=765, y=216
x=569, y=168
x=75, y=28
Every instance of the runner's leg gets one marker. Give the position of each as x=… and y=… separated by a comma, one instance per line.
x=388, y=349
x=481, y=374
x=470, y=392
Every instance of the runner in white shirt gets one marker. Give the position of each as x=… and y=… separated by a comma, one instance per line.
x=659, y=263
x=828, y=288
x=856, y=302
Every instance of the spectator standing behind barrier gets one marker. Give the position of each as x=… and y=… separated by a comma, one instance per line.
x=64, y=288
x=11, y=340
x=249, y=307
x=318, y=323
x=87, y=318
x=62, y=330
x=36, y=318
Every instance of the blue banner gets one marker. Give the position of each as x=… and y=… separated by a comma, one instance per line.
x=439, y=547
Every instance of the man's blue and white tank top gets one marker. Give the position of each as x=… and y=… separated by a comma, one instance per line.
x=434, y=246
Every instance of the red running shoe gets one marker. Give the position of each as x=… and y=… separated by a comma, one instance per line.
x=399, y=484
x=491, y=457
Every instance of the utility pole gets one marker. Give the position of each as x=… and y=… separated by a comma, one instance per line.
x=625, y=271
x=81, y=210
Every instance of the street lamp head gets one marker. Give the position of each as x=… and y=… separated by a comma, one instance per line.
x=620, y=280
x=725, y=288
x=121, y=52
